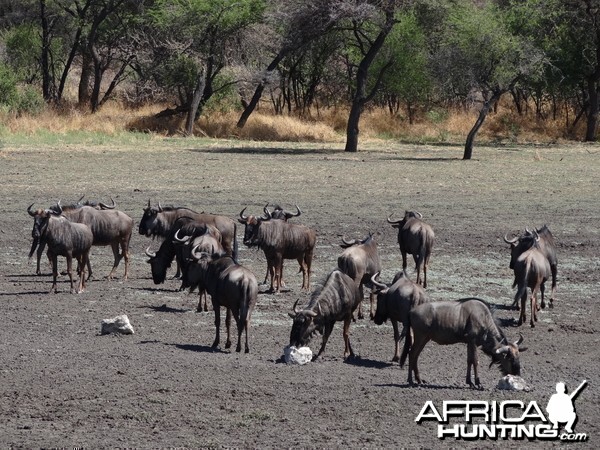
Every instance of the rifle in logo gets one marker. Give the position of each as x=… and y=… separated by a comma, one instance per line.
x=560, y=406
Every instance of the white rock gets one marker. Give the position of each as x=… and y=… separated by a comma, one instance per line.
x=295, y=355
x=119, y=324
x=512, y=383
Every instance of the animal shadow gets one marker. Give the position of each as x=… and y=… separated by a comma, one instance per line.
x=165, y=308
x=367, y=363
x=197, y=348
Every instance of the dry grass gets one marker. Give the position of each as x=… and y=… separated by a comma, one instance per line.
x=328, y=126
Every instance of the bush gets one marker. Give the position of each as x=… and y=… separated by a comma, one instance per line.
x=15, y=99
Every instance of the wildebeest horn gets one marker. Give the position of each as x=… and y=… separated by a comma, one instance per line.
x=80, y=198
x=536, y=236
x=377, y=283
x=348, y=243
x=295, y=307
x=266, y=210
x=393, y=221
x=181, y=240
x=59, y=209
x=159, y=207
x=418, y=214
x=503, y=349
x=242, y=216
x=196, y=254
x=290, y=214
x=528, y=231
x=520, y=341
x=105, y=206
x=31, y=213
x=510, y=241
x=150, y=254
x=149, y=206
x=267, y=215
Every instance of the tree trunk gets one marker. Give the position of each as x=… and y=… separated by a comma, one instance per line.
x=194, y=105
x=45, y=56
x=261, y=87
x=480, y=119
x=591, y=131
x=87, y=70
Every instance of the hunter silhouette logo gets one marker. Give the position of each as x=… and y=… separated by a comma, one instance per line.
x=560, y=407
x=508, y=419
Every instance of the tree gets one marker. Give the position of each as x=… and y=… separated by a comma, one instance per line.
x=190, y=44
x=480, y=55
x=370, y=27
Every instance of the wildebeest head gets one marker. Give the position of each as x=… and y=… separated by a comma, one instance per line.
x=158, y=266
x=521, y=244
x=381, y=290
x=407, y=215
x=279, y=213
x=507, y=357
x=304, y=326
x=347, y=243
x=41, y=218
x=149, y=222
x=252, y=225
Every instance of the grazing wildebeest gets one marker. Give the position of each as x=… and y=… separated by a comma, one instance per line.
x=280, y=240
x=229, y=285
x=335, y=301
x=396, y=302
x=469, y=321
x=109, y=227
x=63, y=238
x=360, y=261
x=415, y=237
x=157, y=221
x=545, y=243
x=531, y=269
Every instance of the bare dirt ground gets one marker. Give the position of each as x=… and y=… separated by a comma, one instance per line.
x=62, y=384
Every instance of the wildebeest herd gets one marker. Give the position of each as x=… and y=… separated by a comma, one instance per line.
x=204, y=248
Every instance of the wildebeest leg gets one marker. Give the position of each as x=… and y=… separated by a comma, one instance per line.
x=70, y=271
x=348, y=352
x=125, y=255
x=553, y=270
x=303, y=269
x=54, y=259
x=117, y=255
x=472, y=362
x=362, y=297
x=308, y=261
x=217, y=309
x=418, y=263
x=396, y=341
x=326, y=334
x=228, y=326
x=413, y=357
x=40, y=252
x=83, y=260
x=534, y=308
x=542, y=289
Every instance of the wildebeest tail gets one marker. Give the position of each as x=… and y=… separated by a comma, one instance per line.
x=235, y=243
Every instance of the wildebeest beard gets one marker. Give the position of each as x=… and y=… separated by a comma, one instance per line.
x=302, y=332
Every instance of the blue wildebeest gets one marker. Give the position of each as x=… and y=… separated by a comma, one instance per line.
x=280, y=240
x=360, y=261
x=395, y=302
x=415, y=237
x=109, y=227
x=229, y=285
x=157, y=221
x=334, y=302
x=545, y=243
x=207, y=241
x=469, y=321
x=63, y=238
x=532, y=270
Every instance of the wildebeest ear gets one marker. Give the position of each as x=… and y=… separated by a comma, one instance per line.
x=522, y=349
x=292, y=315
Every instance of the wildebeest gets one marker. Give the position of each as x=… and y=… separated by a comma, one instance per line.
x=280, y=213
x=157, y=221
x=229, y=285
x=531, y=269
x=63, y=238
x=415, y=237
x=545, y=243
x=208, y=241
x=280, y=240
x=335, y=301
x=109, y=227
x=360, y=261
x=468, y=320
x=59, y=209
x=395, y=303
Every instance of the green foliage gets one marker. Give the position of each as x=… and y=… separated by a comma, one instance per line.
x=16, y=99
x=23, y=46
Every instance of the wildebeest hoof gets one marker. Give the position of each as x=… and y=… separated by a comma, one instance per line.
x=228, y=345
